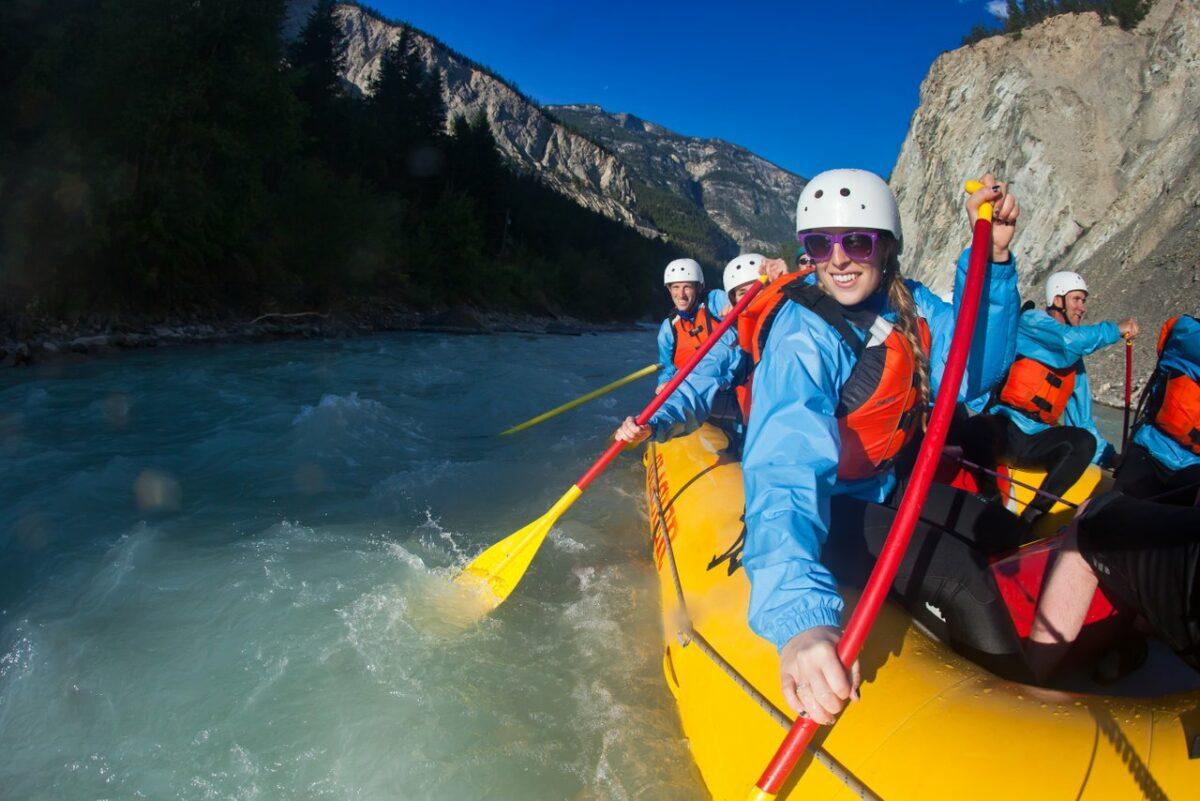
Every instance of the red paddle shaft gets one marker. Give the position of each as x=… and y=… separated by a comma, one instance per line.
x=885, y=568
x=730, y=317
x=1128, y=391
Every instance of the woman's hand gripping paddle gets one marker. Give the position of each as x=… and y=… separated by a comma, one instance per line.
x=496, y=571
x=582, y=399
x=885, y=568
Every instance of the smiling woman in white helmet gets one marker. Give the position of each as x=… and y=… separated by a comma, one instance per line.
x=846, y=368
x=692, y=319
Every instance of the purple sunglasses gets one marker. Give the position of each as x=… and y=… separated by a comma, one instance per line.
x=858, y=245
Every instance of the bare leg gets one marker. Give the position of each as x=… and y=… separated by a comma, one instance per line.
x=1063, y=605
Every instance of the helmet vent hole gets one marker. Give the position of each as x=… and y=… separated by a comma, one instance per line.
x=845, y=192
x=817, y=195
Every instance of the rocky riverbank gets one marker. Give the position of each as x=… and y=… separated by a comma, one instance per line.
x=30, y=340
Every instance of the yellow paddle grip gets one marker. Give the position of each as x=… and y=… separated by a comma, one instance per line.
x=985, y=209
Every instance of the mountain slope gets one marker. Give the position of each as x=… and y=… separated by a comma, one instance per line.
x=748, y=199
x=709, y=197
x=1099, y=131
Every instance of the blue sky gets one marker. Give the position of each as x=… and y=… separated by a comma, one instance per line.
x=808, y=85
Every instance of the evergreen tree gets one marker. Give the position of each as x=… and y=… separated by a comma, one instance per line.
x=317, y=59
x=407, y=116
x=1015, y=20
x=1129, y=12
x=477, y=170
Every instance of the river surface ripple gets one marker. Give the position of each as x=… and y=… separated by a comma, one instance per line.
x=221, y=566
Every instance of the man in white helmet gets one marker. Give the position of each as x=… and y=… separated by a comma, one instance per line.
x=1041, y=416
x=706, y=394
x=691, y=321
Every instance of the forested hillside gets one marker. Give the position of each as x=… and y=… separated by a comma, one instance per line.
x=173, y=155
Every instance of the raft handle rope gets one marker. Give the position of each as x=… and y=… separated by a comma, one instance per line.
x=1011, y=480
x=688, y=634
x=1059, y=498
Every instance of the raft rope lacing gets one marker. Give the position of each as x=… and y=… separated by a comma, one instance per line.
x=688, y=634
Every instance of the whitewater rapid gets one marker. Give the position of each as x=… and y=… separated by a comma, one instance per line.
x=225, y=576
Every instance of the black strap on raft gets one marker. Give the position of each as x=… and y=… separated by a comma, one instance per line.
x=1151, y=399
x=688, y=635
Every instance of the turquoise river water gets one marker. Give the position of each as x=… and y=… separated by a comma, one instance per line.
x=222, y=569
x=224, y=575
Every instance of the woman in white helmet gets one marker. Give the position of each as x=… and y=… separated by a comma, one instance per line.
x=691, y=321
x=1041, y=415
x=828, y=419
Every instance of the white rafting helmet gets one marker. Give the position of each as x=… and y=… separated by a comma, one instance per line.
x=1061, y=283
x=745, y=268
x=683, y=270
x=848, y=199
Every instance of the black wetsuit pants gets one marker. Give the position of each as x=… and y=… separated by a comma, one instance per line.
x=1146, y=556
x=1142, y=476
x=1064, y=452
x=943, y=579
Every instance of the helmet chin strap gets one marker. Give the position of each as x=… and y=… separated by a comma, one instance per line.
x=1061, y=312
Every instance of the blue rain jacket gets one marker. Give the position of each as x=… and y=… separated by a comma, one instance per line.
x=1041, y=337
x=791, y=455
x=717, y=302
x=1180, y=352
x=724, y=367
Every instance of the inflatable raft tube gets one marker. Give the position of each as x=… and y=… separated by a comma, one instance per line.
x=931, y=724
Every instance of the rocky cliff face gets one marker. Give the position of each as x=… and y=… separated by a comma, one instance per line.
x=749, y=199
x=1099, y=131
x=659, y=182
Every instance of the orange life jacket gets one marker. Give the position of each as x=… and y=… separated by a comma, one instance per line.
x=878, y=408
x=1038, y=390
x=689, y=336
x=753, y=325
x=1178, y=408
x=1165, y=333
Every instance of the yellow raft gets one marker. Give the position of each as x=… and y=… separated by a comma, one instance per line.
x=930, y=725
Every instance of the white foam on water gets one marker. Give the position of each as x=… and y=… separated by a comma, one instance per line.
x=565, y=543
x=350, y=427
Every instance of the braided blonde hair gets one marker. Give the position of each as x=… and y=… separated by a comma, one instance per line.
x=907, y=323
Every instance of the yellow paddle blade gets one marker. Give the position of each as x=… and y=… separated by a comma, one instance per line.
x=496, y=572
x=582, y=399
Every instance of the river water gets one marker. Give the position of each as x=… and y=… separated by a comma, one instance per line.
x=222, y=569
x=218, y=566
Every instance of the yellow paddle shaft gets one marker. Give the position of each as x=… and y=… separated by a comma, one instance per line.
x=582, y=399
